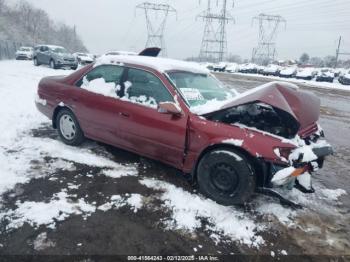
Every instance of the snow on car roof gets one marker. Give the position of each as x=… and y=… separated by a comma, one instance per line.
x=157, y=63
x=121, y=53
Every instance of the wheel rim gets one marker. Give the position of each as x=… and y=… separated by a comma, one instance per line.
x=67, y=127
x=52, y=65
x=35, y=61
x=224, y=178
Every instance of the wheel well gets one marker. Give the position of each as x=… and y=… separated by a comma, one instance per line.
x=55, y=113
x=254, y=163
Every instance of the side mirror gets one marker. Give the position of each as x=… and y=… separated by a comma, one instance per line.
x=169, y=108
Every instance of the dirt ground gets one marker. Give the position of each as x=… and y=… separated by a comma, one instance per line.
x=125, y=232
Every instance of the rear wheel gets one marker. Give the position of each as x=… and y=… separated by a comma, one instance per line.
x=53, y=64
x=225, y=176
x=69, y=128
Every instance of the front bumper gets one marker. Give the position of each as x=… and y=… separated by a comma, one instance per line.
x=64, y=63
x=298, y=173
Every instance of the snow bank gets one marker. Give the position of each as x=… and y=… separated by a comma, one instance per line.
x=134, y=201
x=47, y=213
x=188, y=209
x=310, y=83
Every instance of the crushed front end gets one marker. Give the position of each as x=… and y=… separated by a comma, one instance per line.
x=300, y=163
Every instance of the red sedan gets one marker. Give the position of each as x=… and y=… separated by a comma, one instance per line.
x=178, y=113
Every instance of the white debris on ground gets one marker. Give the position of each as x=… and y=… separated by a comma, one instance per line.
x=47, y=213
x=134, y=201
x=188, y=210
x=118, y=173
x=42, y=242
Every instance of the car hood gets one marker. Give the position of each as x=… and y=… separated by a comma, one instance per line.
x=304, y=107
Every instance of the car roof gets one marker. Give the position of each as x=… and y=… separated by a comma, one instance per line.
x=51, y=46
x=160, y=64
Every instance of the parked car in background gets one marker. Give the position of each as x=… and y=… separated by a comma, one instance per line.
x=345, y=78
x=248, y=68
x=84, y=58
x=54, y=56
x=178, y=113
x=325, y=75
x=207, y=65
x=271, y=70
x=219, y=67
x=24, y=53
x=288, y=72
x=232, y=68
x=307, y=73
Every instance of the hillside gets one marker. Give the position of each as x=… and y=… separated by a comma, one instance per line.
x=24, y=24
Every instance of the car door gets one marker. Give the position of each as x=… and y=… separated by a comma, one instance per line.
x=146, y=131
x=96, y=103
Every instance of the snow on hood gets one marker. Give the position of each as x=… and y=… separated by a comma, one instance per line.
x=303, y=106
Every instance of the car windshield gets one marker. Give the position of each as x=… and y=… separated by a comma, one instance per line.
x=201, y=91
x=59, y=50
x=26, y=49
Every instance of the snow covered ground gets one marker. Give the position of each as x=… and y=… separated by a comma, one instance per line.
x=22, y=161
x=311, y=83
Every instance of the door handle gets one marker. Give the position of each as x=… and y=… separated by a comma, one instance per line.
x=124, y=114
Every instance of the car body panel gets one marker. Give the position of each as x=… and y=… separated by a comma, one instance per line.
x=177, y=140
x=303, y=106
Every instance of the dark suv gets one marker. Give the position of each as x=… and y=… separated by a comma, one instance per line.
x=54, y=56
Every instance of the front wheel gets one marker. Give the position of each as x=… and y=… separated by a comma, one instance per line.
x=69, y=128
x=226, y=177
x=36, y=62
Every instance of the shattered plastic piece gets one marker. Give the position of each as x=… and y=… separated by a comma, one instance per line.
x=283, y=176
x=305, y=181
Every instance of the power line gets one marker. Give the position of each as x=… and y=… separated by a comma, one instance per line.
x=155, y=30
x=214, y=42
x=265, y=52
x=338, y=52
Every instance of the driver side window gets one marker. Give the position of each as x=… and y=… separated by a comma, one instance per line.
x=103, y=80
x=145, y=88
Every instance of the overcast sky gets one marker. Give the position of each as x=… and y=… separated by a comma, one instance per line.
x=313, y=26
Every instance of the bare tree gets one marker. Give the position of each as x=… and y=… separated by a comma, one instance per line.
x=27, y=24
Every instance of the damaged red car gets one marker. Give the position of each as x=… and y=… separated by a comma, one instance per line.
x=232, y=145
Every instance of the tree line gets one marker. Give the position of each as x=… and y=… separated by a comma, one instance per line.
x=24, y=23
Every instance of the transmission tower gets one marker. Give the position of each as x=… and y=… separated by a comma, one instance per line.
x=268, y=28
x=156, y=18
x=214, y=42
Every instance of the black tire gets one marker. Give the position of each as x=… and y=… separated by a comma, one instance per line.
x=74, y=67
x=226, y=176
x=52, y=64
x=36, y=62
x=72, y=140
